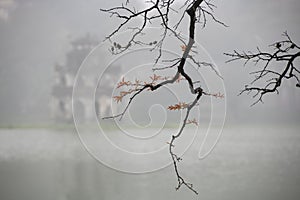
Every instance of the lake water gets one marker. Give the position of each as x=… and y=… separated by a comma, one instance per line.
x=247, y=163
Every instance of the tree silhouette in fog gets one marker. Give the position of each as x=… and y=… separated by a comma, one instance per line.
x=274, y=67
x=197, y=12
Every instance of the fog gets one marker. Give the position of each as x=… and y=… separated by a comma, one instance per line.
x=257, y=156
x=37, y=34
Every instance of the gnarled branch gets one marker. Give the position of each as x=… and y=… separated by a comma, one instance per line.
x=197, y=10
x=285, y=52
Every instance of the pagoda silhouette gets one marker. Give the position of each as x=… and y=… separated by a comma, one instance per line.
x=61, y=102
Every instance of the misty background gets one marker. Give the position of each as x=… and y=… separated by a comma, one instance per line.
x=257, y=156
x=35, y=35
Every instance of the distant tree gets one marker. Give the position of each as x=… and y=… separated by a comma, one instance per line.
x=198, y=12
x=274, y=67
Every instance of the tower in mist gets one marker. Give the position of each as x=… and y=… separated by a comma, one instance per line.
x=61, y=102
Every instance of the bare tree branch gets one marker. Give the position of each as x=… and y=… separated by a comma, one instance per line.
x=198, y=11
x=285, y=52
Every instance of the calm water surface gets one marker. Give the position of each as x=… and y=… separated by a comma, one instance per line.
x=248, y=163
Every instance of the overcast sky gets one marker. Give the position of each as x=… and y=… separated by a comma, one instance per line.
x=36, y=34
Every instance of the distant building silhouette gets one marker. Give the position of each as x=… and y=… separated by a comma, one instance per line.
x=61, y=102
